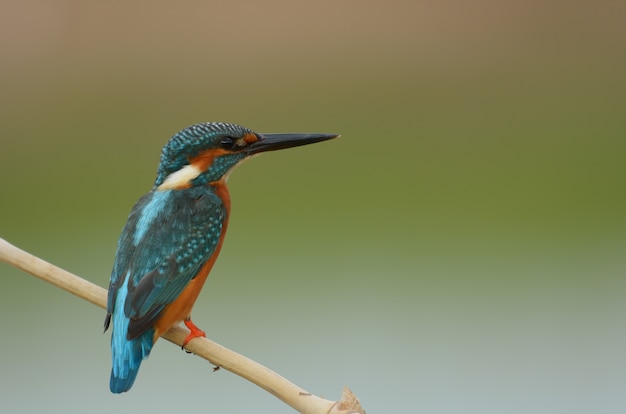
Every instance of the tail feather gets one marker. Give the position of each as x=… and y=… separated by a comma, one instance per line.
x=127, y=354
x=119, y=385
x=127, y=360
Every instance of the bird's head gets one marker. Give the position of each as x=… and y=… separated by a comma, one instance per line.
x=205, y=153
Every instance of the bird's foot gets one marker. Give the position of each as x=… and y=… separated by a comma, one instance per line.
x=195, y=332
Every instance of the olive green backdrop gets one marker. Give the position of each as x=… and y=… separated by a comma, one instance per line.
x=459, y=250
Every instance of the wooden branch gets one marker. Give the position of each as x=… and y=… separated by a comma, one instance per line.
x=291, y=394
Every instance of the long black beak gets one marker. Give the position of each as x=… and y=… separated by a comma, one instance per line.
x=272, y=142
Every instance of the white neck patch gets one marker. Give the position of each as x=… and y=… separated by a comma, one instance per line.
x=180, y=178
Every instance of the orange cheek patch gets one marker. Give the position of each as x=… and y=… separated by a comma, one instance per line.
x=204, y=160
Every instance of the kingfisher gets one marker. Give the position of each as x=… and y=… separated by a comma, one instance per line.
x=173, y=236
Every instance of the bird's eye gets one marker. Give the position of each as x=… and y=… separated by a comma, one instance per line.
x=227, y=143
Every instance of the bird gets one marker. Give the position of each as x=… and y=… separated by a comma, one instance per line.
x=173, y=236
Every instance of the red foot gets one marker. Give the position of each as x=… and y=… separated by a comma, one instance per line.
x=195, y=332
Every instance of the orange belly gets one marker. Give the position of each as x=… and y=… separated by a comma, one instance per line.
x=181, y=307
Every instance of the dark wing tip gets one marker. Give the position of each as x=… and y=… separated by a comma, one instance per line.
x=107, y=322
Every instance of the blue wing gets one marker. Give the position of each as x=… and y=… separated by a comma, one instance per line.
x=168, y=237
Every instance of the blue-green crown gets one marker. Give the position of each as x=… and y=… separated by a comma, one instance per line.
x=193, y=140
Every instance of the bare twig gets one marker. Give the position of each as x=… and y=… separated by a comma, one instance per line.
x=254, y=372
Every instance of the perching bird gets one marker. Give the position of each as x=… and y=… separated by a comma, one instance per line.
x=173, y=236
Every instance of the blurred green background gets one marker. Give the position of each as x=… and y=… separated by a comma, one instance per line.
x=459, y=250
